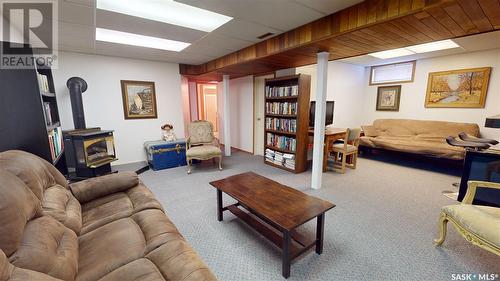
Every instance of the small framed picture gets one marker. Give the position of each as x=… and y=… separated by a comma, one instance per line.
x=139, y=99
x=388, y=98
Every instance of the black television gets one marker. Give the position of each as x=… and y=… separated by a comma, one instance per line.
x=329, y=113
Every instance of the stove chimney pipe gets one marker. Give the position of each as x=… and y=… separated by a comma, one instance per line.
x=77, y=86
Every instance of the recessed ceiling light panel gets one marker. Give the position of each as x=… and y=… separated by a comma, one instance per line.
x=167, y=11
x=433, y=46
x=392, y=53
x=113, y=36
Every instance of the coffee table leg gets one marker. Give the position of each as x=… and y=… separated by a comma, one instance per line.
x=286, y=254
x=320, y=233
x=219, y=205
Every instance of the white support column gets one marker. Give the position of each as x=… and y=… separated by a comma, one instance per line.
x=227, y=115
x=319, y=120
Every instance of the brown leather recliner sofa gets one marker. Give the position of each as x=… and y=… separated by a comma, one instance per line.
x=105, y=228
x=417, y=136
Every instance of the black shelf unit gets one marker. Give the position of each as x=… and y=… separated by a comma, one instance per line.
x=23, y=124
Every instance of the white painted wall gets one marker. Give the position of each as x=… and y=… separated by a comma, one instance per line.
x=413, y=94
x=241, y=103
x=193, y=100
x=103, y=99
x=186, y=111
x=345, y=87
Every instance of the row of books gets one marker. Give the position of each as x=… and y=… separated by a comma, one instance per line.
x=281, y=142
x=282, y=108
x=284, y=91
x=43, y=82
x=56, y=142
x=281, y=159
x=281, y=124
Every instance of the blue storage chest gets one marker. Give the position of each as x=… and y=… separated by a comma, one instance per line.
x=164, y=155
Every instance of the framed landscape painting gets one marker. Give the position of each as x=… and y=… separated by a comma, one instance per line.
x=139, y=99
x=465, y=88
x=388, y=98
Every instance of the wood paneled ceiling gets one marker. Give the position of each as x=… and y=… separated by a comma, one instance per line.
x=370, y=26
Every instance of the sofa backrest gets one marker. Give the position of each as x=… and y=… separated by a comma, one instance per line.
x=34, y=237
x=423, y=128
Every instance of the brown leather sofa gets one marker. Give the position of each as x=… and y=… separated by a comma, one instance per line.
x=417, y=136
x=106, y=228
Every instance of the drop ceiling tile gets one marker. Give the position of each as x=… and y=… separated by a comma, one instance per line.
x=328, y=7
x=126, y=23
x=211, y=52
x=245, y=30
x=76, y=35
x=89, y=3
x=221, y=41
x=76, y=13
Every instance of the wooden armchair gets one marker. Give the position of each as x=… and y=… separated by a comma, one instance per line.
x=348, y=148
x=202, y=144
x=480, y=225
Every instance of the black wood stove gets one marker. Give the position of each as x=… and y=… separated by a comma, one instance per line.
x=89, y=151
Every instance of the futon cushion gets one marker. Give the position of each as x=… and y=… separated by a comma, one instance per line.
x=203, y=151
x=17, y=206
x=98, y=187
x=49, y=247
x=370, y=131
x=115, y=206
x=144, y=246
x=59, y=203
x=481, y=220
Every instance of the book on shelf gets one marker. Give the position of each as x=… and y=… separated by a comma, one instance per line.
x=282, y=91
x=56, y=142
x=43, y=82
x=281, y=124
x=281, y=108
x=281, y=142
x=48, y=114
x=281, y=159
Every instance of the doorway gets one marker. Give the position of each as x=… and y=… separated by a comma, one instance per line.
x=259, y=105
x=207, y=105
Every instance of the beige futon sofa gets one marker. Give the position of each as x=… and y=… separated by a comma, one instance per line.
x=107, y=228
x=417, y=136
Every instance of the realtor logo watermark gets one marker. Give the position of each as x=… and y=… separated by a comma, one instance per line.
x=475, y=276
x=30, y=34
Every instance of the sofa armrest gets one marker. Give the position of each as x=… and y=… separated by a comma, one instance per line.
x=90, y=189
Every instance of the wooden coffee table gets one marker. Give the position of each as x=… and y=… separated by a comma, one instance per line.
x=275, y=211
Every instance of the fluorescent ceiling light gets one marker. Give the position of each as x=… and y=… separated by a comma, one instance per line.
x=392, y=53
x=416, y=49
x=433, y=46
x=167, y=11
x=126, y=38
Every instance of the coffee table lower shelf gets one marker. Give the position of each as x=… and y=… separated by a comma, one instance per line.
x=292, y=243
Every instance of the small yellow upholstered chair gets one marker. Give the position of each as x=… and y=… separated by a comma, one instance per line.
x=480, y=225
x=349, y=147
x=201, y=143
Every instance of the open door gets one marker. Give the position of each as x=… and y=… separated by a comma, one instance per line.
x=259, y=104
x=207, y=105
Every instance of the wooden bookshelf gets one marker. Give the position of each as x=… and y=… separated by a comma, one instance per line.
x=24, y=124
x=280, y=112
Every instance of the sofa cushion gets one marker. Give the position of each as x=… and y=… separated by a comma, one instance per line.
x=59, y=203
x=49, y=247
x=438, y=149
x=481, y=220
x=118, y=250
x=408, y=127
x=17, y=206
x=370, y=131
x=115, y=206
x=203, y=151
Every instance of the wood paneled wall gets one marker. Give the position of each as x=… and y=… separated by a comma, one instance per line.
x=370, y=26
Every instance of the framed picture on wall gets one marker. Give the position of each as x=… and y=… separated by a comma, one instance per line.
x=139, y=99
x=388, y=98
x=466, y=88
